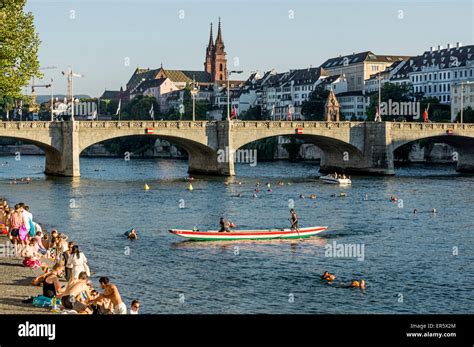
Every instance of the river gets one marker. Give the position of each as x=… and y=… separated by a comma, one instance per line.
x=413, y=263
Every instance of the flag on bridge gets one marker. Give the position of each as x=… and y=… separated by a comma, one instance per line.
x=425, y=114
x=118, y=108
x=377, y=115
x=152, y=112
x=289, y=112
x=234, y=113
x=20, y=108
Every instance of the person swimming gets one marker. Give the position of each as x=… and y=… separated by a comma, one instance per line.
x=357, y=284
x=393, y=198
x=132, y=234
x=328, y=276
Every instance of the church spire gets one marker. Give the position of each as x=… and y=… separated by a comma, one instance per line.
x=219, y=40
x=211, y=40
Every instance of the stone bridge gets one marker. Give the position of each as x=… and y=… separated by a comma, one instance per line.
x=360, y=147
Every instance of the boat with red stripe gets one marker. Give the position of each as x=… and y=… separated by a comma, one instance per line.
x=269, y=234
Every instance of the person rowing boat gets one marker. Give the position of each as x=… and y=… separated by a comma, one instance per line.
x=225, y=225
x=293, y=220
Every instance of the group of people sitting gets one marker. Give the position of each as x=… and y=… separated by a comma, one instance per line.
x=68, y=279
x=78, y=296
x=339, y=176
x=329, y=277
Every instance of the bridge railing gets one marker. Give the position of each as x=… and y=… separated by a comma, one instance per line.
x=295, y=124
x=29, y=125
x=431, y=126
x=144, y=124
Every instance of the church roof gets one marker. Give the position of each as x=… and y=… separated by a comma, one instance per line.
x=110, y=95
x=187, y=76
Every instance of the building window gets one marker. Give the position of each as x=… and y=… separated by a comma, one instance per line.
x=220, y=67
x=221, y=77
x=455, y=74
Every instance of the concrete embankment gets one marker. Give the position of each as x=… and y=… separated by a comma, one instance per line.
x=15, y=283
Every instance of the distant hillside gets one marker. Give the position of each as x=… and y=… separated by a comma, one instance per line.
x=45, y=98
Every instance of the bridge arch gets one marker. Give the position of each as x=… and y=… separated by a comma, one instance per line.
x=199, y=155
x=41, y=134
x=341, y=143
x=463, y=145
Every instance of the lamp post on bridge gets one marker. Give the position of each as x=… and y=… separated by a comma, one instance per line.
x=228, y=90
x=462, y=99
x=194, y=92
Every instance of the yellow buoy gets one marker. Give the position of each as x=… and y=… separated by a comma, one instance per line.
x=190, y=187
x=146, y=187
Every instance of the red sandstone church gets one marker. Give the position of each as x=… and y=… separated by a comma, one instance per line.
x=157, y=82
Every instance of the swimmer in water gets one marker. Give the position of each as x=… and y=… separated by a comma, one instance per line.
x=393, y=198
x=328, y=276
x=132, y=234
x=415, y=211
x=312, y=196
x=355, y=284
x=301, y=196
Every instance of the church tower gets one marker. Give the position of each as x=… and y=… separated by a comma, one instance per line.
x=209, y=54
x=219, y=60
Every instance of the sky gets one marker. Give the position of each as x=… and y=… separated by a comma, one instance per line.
x=106, y=40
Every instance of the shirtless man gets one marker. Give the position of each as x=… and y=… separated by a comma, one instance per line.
x=72, y=296
x=111, y=292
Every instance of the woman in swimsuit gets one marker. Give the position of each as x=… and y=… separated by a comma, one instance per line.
x=51, y=285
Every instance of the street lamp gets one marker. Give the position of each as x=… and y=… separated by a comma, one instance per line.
x=194, y=92
x=228, y=91
x=462, y=98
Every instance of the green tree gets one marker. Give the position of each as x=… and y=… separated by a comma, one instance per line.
x=313, y=108
x=19, y=44
x=441, y=116
x=253, y=113
x=467, y=115
x=139, y=108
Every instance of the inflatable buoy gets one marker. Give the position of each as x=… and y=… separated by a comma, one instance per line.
x=146, y=187
x=190, y=187
x=342, y=194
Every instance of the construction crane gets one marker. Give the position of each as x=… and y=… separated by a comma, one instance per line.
x=70, y=75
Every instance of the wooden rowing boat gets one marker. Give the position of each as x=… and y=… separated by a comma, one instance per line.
x=234, y=235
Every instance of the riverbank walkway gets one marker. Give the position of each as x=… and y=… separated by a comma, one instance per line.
x=15, y=284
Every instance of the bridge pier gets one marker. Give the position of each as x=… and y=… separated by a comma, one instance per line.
x=66, y=161
x=376, y=158
x=465, y=162
x=219, y=162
